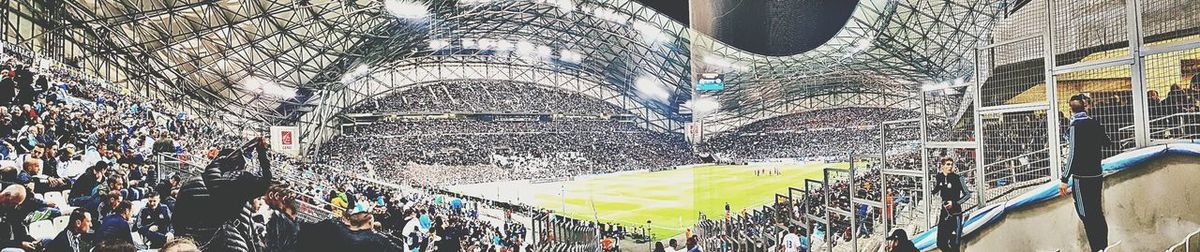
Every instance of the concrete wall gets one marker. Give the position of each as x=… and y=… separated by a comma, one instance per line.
x=1148, y=208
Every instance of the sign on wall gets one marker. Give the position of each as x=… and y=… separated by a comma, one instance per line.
x=286, y=140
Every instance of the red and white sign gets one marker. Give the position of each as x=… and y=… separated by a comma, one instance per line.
x=285, y=139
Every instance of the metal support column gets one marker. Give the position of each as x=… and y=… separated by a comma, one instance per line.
x=1055, y=137
x=976, y=99
x=925, y=160
x=883, y=189
x=1141, y=117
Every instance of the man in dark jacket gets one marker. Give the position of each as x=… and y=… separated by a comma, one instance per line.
x=283, y=230
x=24, y=80
x=218, y=209
x=74, y=238
x=1086, y=138
x=13, y=232
x=8, y=89
x=116, y=225
x=83, y=192
x=898, y=242
x=154, y=222
x=355, y=232
x=954, y=192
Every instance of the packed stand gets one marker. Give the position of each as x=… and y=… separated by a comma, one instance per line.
x=831, y=134
x=487, y=97
x=464, y=151
x=77, y=157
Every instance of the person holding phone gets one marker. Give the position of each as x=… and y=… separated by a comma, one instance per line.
x=953, y=191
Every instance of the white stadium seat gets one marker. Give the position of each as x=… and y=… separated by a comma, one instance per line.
x=55, y=197
x=42, y=230
x=61, y=222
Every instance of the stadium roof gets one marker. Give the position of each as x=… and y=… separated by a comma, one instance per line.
x=265, y=62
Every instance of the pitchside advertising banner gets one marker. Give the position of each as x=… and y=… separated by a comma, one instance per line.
x=286, y=140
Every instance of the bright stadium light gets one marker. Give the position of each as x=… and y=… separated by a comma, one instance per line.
x=504, y=45
x=544, y=52
x=404, y=9
x=358, y=72
x=487, y=44
x=703, y=105
x=570, y=56
x=651, y=89
x=438, y=44
x=564, y=5
x=524, y=48
x=262, y=86
x=650, y=33
x=469, y=44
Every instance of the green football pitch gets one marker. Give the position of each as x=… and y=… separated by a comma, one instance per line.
x=673, y=199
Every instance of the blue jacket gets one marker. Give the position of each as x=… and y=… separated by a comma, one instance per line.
x=114, y=227
x=159, y=216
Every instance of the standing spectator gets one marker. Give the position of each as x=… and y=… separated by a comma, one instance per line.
x=791, y=241
x=8, y=89
x=953, y=191
x=1086, y=138
x=219, y=209
x=74, y=238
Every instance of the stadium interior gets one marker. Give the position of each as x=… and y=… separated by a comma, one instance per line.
x=599, y=125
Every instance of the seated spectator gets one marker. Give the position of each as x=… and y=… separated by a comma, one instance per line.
x=32, y=177
x=109, y=205
x=180, y=245
x=115, y=246
x=75, y=237
x=115, y=227
x=84, y=191
x=14, y=229
x=155, y=221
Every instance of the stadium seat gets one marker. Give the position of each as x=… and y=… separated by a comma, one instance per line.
x=61, y=222
x=12, y=250
x=56, y=198
x=39, y=196
x=42, y=230
x=138, y=205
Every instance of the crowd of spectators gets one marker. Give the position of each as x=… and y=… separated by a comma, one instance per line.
x=76, y=157
x=487, y=97
x=830, y=134
x=436, y=151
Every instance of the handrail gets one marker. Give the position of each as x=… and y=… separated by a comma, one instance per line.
x=1130, y=127
x=1017, y=157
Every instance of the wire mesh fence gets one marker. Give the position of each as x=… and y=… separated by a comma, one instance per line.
x=1015, y=154
x=1110, y=90
x=1089, y=30
x=1012, y=73
x=1173, y=89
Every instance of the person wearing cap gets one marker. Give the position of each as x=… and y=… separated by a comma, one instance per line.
x=898, y=242
x=954, y=192
x=1086, y=138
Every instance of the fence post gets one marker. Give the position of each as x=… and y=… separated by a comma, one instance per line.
x=1054, y=143
x=1141, y=118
